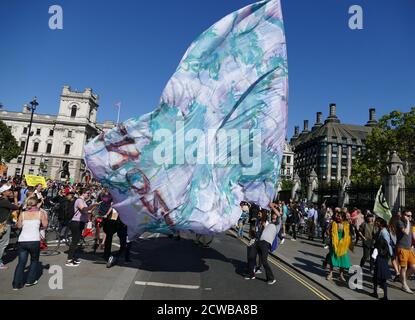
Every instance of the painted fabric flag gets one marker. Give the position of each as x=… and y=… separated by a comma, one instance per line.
x=215, y=139
x=381, y=207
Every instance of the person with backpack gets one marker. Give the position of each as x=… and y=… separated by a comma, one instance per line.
x=383, y=252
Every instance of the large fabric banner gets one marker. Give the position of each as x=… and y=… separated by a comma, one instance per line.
x=215, y=139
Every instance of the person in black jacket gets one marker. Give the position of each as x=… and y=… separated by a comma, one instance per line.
x=294, y=220
x=66, y=213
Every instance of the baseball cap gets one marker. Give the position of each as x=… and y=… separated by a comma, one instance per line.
x=5, y=187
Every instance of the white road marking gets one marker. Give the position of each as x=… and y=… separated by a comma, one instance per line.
x=167, y=285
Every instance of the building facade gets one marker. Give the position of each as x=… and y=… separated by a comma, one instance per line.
x=56, y=144
x=330, y=147
x=287, y=167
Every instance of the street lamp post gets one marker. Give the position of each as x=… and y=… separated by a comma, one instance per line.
x=32, y=108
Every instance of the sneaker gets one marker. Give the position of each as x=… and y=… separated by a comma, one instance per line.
x=282, y=241
x=293, y=239
x=77, y=261
x=272, y=282
x=110, y=262
x=16, y=289
x=71, y=264
x=258, y=271
x=3, y=266
x=326, y=247
x=31, y=284
x=407, y=290
x=249, y=277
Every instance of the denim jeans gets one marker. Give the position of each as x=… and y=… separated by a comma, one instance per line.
x=26, y=248
x=241, y=229
x=4, y=242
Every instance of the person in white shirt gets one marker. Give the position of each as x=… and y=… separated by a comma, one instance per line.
x=30, y=221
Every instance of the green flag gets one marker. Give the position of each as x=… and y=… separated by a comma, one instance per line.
x=381, y=208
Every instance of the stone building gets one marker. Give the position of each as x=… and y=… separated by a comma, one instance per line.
x=330, y=147
x=287, y=167
x=56, y=141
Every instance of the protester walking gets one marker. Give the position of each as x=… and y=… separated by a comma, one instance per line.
x=340, y=243
x=383, y=251
x=30, y=221
x=393, y=234
x=367, y=232
x=406, y=255
x=312, y=217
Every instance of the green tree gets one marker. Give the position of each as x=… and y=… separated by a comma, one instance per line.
x=286, y=184
x=394, y=132
x=9, y=149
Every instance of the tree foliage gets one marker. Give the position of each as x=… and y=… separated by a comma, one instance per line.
x=286, y=185
x=9, y=149
x=394, y=132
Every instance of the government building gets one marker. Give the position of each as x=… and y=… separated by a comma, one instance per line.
x=330, y=147
x=56, y=142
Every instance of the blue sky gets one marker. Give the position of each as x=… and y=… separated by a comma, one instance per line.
x=127, y=50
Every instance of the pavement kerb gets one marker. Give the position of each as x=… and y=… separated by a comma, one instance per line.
x=333, y=289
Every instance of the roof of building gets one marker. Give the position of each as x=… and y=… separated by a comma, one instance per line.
x=25, y=116
x=335, y=133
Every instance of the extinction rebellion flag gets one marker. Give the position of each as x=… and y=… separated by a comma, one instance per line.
x=381, y=208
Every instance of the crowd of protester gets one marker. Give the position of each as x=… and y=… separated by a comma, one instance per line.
x=26, y=209
x=386, y=246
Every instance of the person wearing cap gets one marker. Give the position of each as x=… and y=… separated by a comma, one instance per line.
x=6, y=208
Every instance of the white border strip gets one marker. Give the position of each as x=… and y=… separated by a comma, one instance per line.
x=167, y=285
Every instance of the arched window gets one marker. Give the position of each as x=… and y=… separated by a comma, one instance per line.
x=73, y=111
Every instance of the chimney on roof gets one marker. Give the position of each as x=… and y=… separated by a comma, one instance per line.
x=332, y=117
x=296, y=134
x=305, y=126
x=372, y=118
x=319, y=119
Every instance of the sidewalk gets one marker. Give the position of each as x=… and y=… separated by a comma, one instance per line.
x=307, y=258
